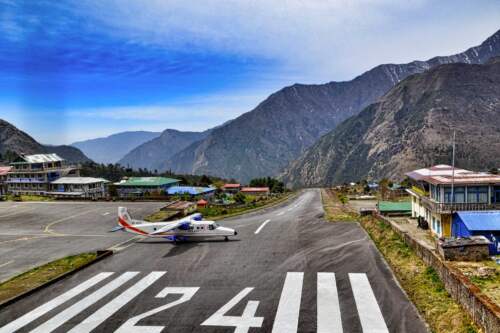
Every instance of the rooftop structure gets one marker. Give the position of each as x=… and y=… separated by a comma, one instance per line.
x=147, y=181
x=140, y=186
x=255, y=189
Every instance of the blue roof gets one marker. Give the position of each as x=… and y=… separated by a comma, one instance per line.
x=481, y=220
x=192, y=190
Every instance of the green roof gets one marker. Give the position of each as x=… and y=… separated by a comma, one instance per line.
x=147, y=181
x=389, y=206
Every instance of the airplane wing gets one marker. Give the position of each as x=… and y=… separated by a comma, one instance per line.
x=172, y=226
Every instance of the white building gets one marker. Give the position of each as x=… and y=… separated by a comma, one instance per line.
x=438, y=192
x=78, y=187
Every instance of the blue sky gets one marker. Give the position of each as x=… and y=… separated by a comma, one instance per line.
x=72, y=70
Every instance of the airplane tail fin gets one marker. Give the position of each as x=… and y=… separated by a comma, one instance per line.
x=123, y=216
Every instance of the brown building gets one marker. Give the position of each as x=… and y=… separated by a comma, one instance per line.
x=231, y=188
x=258, y=191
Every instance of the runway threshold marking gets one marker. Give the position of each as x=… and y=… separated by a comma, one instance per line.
x=262, y=226
x=287, y=315
x=116, y=304
x=83, y=304
x=43, y=309
x=369, y=312
x=286, y=318
x=328, y=314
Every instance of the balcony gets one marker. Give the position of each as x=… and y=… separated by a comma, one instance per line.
x=12, y=180
x=448, y=208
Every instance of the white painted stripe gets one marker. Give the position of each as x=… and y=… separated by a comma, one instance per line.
x=81, y=305
x=107, y=213
x=113, y=306
x=280, y=213
x=43, y=309
x=262, y=226
x=287, y=315
x=369, y=312
x=329, y=320
x=7, y=263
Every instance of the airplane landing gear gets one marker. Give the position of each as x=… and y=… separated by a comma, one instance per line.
x=226, y=239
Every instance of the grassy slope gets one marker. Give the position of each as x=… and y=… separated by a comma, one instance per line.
x=420, y=282
x=39, y=275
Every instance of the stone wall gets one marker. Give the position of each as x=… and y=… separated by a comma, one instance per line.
x=484, y=312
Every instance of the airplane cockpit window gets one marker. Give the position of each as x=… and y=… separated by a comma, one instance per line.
x=211, y=227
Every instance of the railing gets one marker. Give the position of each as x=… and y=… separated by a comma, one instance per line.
x=447, y=208
x=26, y=180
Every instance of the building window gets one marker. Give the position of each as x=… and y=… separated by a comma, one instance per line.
x=477, y=194
x=458, y=193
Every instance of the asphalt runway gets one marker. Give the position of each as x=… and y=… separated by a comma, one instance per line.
x=288, y=270
x=33, y=233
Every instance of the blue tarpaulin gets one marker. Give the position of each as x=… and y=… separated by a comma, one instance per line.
x=474, y=223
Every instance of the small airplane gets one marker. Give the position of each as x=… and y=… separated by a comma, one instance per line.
x=189, y=227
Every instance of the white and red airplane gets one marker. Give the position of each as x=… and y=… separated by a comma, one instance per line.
x=190, y=227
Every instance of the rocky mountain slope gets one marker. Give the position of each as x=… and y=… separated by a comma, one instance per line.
x=153, y=154
x=411, y=127
x=14, y=140
x=263, y=141
x=114, y=147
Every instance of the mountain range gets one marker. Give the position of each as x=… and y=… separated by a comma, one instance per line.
x=266, y=139
x=153, y=154
x=114, y=147
x=411, y=127
x=14, y=140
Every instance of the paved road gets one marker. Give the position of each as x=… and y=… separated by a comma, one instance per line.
x=33, y=233
x=294, y=273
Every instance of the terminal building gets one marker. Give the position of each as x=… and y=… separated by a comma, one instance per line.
x=78, y=188
x=440, y=195
x=134, y=187
x=33, y=174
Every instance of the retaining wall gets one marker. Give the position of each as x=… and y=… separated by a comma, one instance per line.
x=483, y=311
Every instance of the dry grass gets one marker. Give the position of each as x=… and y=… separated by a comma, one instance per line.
x=488, y=283
x=159, y=216
x=335, y=210
x=421, y=283
x=39, y=275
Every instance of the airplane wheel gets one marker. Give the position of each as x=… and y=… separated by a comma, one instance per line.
x=226, y=239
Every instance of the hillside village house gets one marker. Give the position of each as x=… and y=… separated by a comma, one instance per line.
x=140, y=186
x=78, y=187
x=32, y=174
x=4, y=170
x=432, y=199
x=231, y=188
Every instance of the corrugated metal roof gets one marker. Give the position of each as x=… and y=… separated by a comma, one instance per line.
x=42, y=158
x=389, y=206
x=232, y=185
x=436, y=170
x=192, y=190
x=255, y=189
x=79, y=180
x=481, y=220
x=147, y=181
x=469, y=178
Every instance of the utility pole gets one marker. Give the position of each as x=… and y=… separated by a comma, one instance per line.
x=453, y=173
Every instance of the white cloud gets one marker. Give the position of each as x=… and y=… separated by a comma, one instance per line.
x=317, y=38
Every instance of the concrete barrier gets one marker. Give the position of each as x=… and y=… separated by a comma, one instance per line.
x=483, y=311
